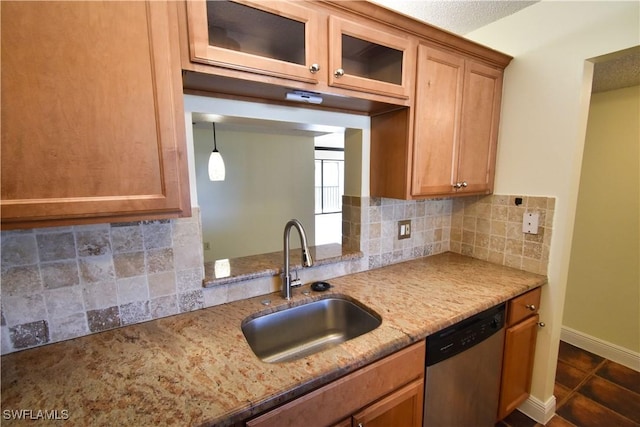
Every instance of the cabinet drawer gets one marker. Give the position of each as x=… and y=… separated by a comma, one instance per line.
x=523, y=306
x=332, y=403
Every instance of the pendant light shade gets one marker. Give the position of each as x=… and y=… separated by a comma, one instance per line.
x=216, y=164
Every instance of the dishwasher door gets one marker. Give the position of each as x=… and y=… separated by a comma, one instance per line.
x=463, y=390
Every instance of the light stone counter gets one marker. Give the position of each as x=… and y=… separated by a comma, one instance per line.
x=197, y=368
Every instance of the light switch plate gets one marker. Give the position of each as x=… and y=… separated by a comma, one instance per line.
x=530, y=222
x=404, y=229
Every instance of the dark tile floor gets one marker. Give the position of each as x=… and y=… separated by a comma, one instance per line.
x=590, y=392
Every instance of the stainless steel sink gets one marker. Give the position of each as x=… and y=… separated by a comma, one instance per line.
x=297, y=332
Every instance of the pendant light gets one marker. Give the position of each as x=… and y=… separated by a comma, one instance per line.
x=216, y=164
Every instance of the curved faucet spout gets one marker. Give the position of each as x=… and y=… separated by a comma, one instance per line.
x=307, y=260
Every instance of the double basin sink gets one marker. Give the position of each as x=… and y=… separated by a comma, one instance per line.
x=306, y=329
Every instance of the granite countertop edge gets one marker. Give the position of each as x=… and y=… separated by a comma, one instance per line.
x=182, y=369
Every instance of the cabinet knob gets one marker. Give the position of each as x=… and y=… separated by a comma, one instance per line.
x=360, y=425
x=541, y=324
x=457, y=185
x=464, y=183
x=531, y=307
x=339, y=72
x=314, y=68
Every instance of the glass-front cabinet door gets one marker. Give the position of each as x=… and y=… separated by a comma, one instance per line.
x=370, y=58
x=276, y=38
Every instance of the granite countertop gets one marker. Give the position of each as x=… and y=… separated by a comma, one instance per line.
x=197, y=368
x=233, y=270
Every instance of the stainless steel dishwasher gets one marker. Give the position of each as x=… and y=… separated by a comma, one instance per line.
x=462, y=380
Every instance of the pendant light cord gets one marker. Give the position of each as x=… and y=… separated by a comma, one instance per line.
x=215, y=148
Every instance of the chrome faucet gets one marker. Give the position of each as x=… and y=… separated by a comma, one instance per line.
x=307, y=261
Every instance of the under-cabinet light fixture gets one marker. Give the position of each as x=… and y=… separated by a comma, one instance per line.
x=216, y=164
x=302, y=96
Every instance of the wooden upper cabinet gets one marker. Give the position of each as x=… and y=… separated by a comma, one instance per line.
x=276, y=38
x=369, y=57
x=446, y=144
x=437, y=117
x=92, y=113
x=457, y=109
x=481, y=102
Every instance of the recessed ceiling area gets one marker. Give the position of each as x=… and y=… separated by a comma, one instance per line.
x=616, y=70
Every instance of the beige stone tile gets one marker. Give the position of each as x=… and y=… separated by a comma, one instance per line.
x=482, y=241
x=498, y=228
x=100, y=295
x=499, y=213
x=532, y=250
x=129, y=264
x=513, y=261
x=157, y=235
x=96, y=269
x=497, y=243
x=162, y=284
x=93, y=242
x=56, y=246
x=21, y=280
x=62, y=302
x=164, y=306
x=67, y=327
x=18, y=250
x=127, y=239
x=513, y=247
x=132, y=289
x=158, y=260
x=24, y=309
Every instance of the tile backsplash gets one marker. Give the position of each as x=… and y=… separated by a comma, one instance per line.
x=490, y=228
x=65, y=282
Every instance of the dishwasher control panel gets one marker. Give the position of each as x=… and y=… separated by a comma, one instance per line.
x=465, y=334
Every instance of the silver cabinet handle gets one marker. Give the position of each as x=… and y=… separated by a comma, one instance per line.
x=531, y=307
x=339, y=72
x=464, y=183
x=314, y=68
x=360, y=425
x=457, y=185
x=541, y=324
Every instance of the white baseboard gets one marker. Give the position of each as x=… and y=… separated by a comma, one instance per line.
x=602, y=348
x=538, y=410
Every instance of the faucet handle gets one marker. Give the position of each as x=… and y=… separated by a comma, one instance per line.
x=296, y=282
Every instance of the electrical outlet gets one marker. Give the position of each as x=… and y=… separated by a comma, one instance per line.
x=530, y=222
x=404, y=229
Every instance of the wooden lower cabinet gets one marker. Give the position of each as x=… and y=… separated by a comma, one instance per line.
x=387, y=392
x=519, y=351
x=402, y=408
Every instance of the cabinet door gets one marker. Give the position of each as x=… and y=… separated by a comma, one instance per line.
x=276, y=38
x=401, y=408
x=479, y=127
x=517, y=368
x=92, y=114
x=370, y=58
x=438, y=103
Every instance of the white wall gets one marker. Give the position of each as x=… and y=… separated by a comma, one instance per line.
x=269, y=180
x=542, y=130
x=355, y=124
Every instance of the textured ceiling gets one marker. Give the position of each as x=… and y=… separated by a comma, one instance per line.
x=456, y=16
x=614, y=71
x=617, y=70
